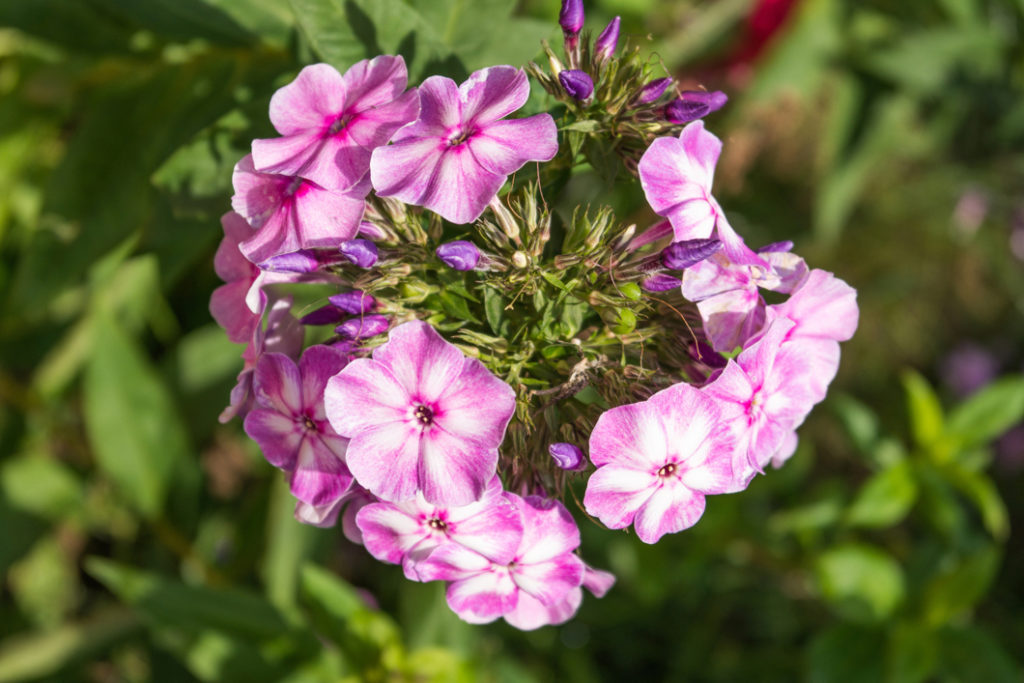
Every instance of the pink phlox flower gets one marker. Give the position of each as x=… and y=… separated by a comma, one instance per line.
x=544, y=569
x=289, y=213
x=456, y=156
x=281, y=333
x=824, y=312
x=657, y=460
x=291, y=428
x=530, y=613
x=406, y=533
x=330, y=123
x=765, y=393
x=347, y=507
x=728, y=296
x=228, y=302
x=422, y=417
x=676, y=174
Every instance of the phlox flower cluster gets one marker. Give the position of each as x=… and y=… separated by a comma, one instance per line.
x=435, y=399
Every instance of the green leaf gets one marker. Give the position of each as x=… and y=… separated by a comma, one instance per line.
x=860, y=421
x=862, y=582
x=885, y=498
x=846, y=653
x=131, y=420
x=957, y=588
x=912, y=653
x=168, y=603
x=970, y=655
x=981, y=490
x=288, y=546
x=585, y=126
x=494, y=308
x=989, y=413
x=41, y=485
x=924, y=409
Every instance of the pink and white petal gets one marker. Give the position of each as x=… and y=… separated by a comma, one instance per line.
x=688, y=418
x=758, y=359
x=701, y=150
x=824, y=307
x=385, y=460
x=614, y=494
x=669, y=510
x=421, y=360
x=277, y=235
x=667, y=177
x=323, y=516
x=404, y=169
x=355, y=500
x=290, y=155
x=318, y=364
x=228, y=262
x=482, y=598
x=631, y=435
x=492, y=93
x=320, y=476
x=710, y=469
x=530, y=613
x=364, y=395
x=453, y=562
x=712, y=276
x=313, y=100
x=452, y=471
x=549, y=531
x=325, y=218
x=733, y=245
x=278, y=384
x=374, y=82
x=227, y=306
x=549, y=581
x=277, y=435
x=692, y=219
x=372, y=128
x=503, y=147
x=785, y=452
x=818, y=357
x=495, y=530
x=257, y=195
x=732, y=318
x=389, y=532
x=790, y=269
x=477, y=406
x=597, y=581
x=460, y=188
x=440, y=109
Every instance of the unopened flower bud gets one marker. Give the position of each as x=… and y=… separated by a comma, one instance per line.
x=570, y=18
x=362, y=253
x=660, y=282
x=577, y=83
x=519, y=260
x=694, y=104
x=326, y=315
x=785, y=245
x=653, y=90
x=354, y=302
x=363, y=327
x=604, y=46
x=566, y=455
x=459, y=255
x=301, y=261
x=371, y=231
x=654, y=233
x=680, y=255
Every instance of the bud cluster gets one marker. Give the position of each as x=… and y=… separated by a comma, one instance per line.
x=470, y=358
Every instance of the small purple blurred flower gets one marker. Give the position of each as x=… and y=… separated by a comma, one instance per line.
x=325, y=315
x=459, y=255
x=301, y=261
x=653, y=90
x=661, y=282
x=571, y=17
x=968, y=368
x=354, y=302
x=604, y=46
x=685, y=253
x=566, y=455
x=363, y=327
x=362, y=253
x=694, y=104
x=577, y=83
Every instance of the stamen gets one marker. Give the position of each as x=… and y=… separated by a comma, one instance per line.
x=309, y=424
x=437, y=524
x=424, y=415
x=667, y=470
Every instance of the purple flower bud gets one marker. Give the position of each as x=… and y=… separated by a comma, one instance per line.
x=363, y=327
x=653, y=90
x=327, y=315
x=707, y=355
x=577, y=83
x=680, y=255
x=604, y=46
x=460, y=254
x=571, y=17
x=354, y=302
x=301, y=261
x=362, y=253
x=371, y=231
x=694, y=104
x=566, y=455
x=660, y=282
x=785, y=245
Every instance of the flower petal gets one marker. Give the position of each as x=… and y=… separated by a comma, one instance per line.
x=385, y=460
x=503, y=147
x=313, y=99
x=421, y=360
x=364, y=395
x=493, y=93
x=614, y=494
x=277, y=435
x=672, y=508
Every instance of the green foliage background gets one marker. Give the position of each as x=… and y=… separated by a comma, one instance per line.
x=140, y=540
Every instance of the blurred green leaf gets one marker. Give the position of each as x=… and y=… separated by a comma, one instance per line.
x=925, y=61
x=970, y=655
x=859, y=420
x=287, y=549
x=924, y=410
x=41, y=485
x=980, y=489
x=34, y=655
x=988, y=413
x=885, y=498
x=863, y=583
x=958, y=586
x=45, y=582
x=131, y=420
x=846, y=653
x=912, y=653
